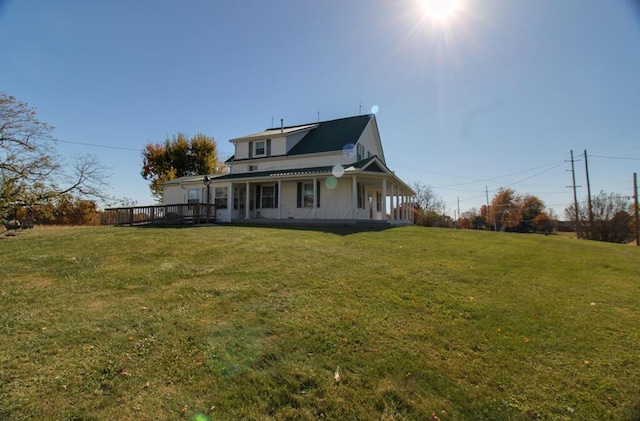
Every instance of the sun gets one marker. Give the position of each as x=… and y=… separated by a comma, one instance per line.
x=441, y=10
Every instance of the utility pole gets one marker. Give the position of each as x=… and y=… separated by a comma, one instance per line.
x=575, y=197
x=486, y=189
x=635, y=205
x=458, y=212
x=586, y=167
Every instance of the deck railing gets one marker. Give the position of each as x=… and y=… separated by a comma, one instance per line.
x=195, y=213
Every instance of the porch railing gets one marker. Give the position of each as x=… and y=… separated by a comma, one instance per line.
x=194, y=213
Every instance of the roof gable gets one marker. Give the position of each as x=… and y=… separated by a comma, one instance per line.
x=332, y=135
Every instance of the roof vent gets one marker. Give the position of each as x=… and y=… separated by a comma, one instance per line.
x=282, y=125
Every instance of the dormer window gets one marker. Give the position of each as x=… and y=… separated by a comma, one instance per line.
x=260, y=147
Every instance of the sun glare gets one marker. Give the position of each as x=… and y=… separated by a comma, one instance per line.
x=441, y=10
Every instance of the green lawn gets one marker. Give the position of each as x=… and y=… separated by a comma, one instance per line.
x=225, y=323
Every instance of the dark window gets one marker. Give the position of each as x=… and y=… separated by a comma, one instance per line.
x=193, y=196
x=305, y=194
x=260, y=147
x=220, y=198
x=268, y=197
x=360, y=196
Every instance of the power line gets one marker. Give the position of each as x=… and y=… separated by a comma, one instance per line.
x=100, y=146
x=555, y=164
x=615, y=157
x=94, y=145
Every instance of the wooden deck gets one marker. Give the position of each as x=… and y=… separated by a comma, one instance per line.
x=192, y=213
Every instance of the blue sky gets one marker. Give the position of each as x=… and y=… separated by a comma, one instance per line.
x=497, y=96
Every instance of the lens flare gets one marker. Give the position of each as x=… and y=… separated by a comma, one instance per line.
x=331, y=182
x=375, y=109
x=337, y=171
x=349, y=150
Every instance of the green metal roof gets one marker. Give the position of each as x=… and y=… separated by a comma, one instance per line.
x=332, y=135
x=360, y=165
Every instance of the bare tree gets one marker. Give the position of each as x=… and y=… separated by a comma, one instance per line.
x=429, y=206
x=31, y=172
x=612, y=221
x=426, y=199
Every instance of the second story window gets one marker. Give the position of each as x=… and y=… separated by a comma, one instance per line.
x=360, y=152
x=253, y=168
x=260, y=147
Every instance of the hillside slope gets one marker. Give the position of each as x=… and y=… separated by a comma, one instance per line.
x=263, y=323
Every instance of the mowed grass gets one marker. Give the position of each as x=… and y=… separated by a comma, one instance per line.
x=226, y=323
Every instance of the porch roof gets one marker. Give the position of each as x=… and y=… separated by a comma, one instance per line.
x=371, y=165
x=327, y=169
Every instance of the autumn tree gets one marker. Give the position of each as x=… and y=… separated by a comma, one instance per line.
x=31, y=172
x=530, y=207
x=179, y=157
x=505, y=211
x=612, y=218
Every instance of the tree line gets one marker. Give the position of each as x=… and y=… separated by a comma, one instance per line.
x=607, y=217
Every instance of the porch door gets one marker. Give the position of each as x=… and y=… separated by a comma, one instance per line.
x=239, y=200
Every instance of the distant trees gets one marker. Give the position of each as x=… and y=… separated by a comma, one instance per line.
x=63, y=210
x=510, y=211
x=178, y=157
x=612, y=218
x=31, y=173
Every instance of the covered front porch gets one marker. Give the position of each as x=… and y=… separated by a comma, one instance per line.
x=321, y=199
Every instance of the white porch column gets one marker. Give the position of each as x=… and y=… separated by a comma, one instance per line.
x=401, y=198
x=315, y=199
x=279, y=199
x=230, y=202
x=384, y=199
x=393, y=188
x=247, y=196
x=354, y=197
x=396, y=191
x=404, y=205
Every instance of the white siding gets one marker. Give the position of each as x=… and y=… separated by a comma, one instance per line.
x=172, y=195
x=287, y=163
x=371, y=143
x=278, y=146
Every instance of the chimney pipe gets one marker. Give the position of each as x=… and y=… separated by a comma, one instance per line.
x=282, y=125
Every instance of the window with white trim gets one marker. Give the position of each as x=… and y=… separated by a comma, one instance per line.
x=260, y=147
x=305, y=194
x=193, y=196
x=220, y=200
x=253, y=168
x=268, y=198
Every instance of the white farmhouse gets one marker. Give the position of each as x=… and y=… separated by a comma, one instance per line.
x=330, y=172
